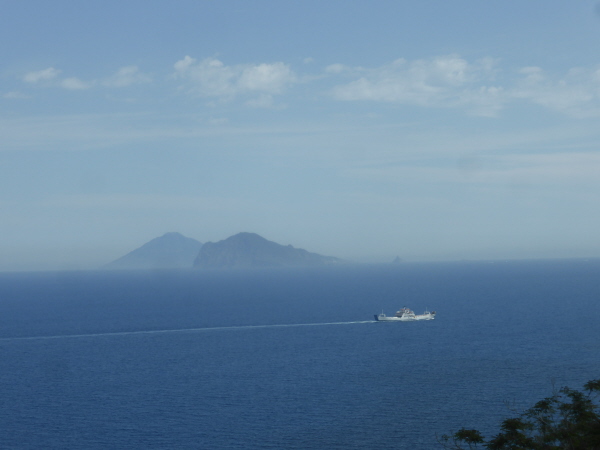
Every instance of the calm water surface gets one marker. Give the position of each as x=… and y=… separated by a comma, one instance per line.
x=206, y=359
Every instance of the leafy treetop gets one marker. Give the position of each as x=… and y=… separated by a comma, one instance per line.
x=567, y=420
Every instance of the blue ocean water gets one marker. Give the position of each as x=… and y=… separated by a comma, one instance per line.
x=277, y=359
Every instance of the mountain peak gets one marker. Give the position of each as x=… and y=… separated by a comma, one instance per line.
x=252, y=250
x=169, y=251
x=247, y=237
x=172, y=234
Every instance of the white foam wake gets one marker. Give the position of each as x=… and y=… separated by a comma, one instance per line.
x=182, y=330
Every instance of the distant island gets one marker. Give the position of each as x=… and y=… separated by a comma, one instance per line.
x=252, y=250
x=169, y=251
x=243, y=250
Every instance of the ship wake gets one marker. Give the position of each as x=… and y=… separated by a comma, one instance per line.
x=183, y=330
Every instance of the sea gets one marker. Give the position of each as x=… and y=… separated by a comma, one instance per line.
x=288, y=359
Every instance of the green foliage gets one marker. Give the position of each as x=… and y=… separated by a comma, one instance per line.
x=568, y=420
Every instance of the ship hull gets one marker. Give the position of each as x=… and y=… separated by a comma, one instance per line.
x=384, y=318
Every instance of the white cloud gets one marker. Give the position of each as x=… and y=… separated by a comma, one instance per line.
x=126, y=76
x=15, y=95
x=576, y=94
x=211, y=78
x=208, y=78
x=447, y=81
x=74, y=83
x=50, y=78
x=269, y=78
x=184, y=64
x=336, y=68
x=41, y=75
x=452, y=81
x=486, y=101
x=443, y=81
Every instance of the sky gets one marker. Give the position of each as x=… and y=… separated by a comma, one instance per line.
x=430, y=130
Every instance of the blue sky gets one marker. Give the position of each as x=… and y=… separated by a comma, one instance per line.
x=432, y=130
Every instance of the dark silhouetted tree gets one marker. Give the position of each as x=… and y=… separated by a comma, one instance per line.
x=568, y=420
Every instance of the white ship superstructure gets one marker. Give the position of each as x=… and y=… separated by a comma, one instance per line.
x=405, y=315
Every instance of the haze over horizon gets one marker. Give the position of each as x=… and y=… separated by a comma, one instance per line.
x=431, y=130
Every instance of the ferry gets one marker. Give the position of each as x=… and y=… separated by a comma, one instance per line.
x=405, y=315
